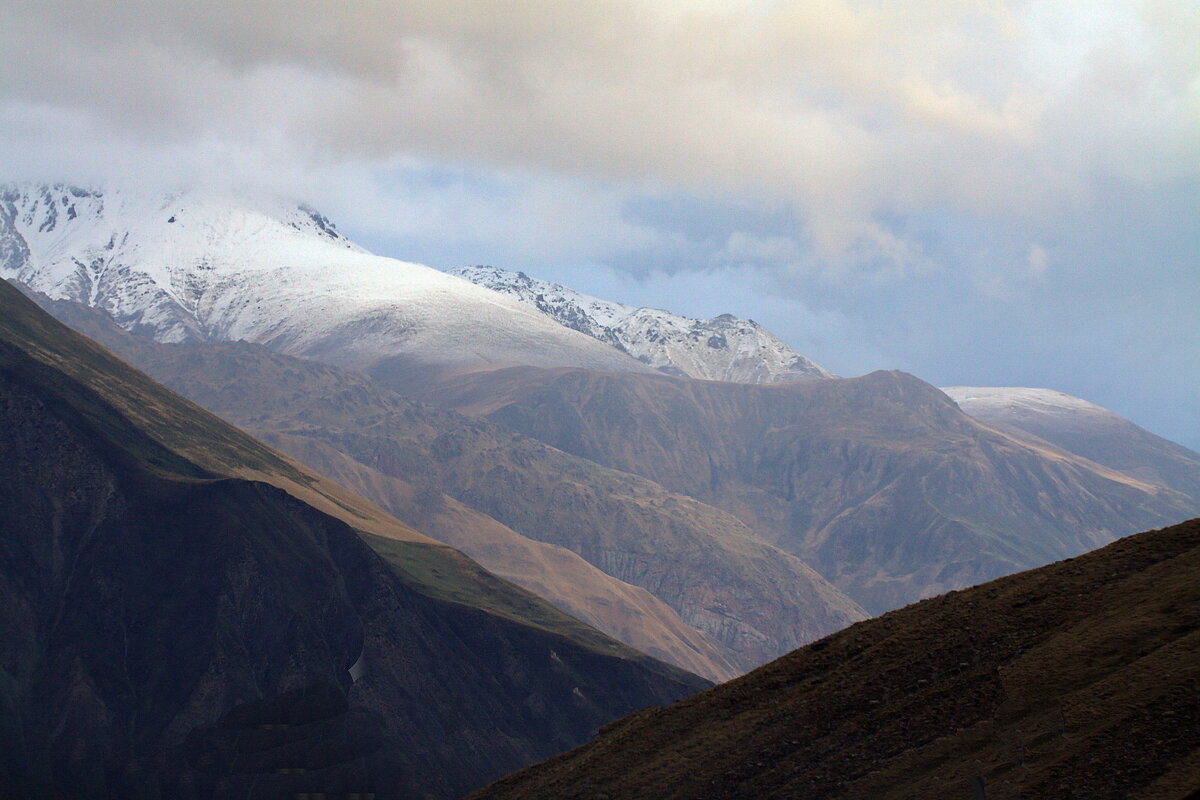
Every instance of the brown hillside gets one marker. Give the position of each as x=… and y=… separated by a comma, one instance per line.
x=881, y=483
x=170, y=628
x=753, y=600
x=1077, y=680
x=625, y=612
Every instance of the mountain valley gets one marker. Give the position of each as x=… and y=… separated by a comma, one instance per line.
x=746, y=598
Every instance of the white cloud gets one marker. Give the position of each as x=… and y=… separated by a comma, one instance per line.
x=1037, y=262
x=844, y=111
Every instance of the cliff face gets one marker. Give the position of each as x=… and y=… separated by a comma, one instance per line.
x=1078, y=679
x=172, y=631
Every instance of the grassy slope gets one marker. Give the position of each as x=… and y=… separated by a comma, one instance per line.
x=1078, y=679
x=625, y=612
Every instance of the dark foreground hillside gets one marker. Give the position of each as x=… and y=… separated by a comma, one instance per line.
x=169, y=629
x=1080, y=679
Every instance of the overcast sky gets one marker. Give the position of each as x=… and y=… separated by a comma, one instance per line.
x=981, y=192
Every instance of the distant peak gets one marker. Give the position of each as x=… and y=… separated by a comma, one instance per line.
x=725, y=347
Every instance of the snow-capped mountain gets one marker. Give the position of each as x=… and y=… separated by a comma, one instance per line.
x=1085, y=429
x=723, y=348
x=197, y=267
x=1012, y=404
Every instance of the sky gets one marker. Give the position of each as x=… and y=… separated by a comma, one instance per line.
x=977, y=192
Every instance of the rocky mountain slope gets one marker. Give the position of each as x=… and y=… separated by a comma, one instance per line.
x=1085, y=429
x=626, y=612
x=191, y=267
x=175, y=625
x=881, y=483
x=748, y=600
x=723, y=348
x=1078, y=680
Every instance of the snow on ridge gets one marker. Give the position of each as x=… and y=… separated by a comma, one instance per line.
x=723, y=348
x=194, y=266
x=991, y=400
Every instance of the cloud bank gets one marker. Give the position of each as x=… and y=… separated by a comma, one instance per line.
x=979, y=191
x=847, y=112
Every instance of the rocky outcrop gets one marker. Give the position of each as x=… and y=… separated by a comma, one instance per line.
x=723, y=348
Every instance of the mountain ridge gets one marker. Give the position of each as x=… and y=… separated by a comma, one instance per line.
x=724, y=348
x=190, y=266
x=152, y=597
x=880, y=482
x=750, y=599
x=1084, y=428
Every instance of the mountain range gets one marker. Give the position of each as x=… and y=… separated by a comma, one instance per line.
x=720, y=602
x=190, y=267
x=724, y=348
x=694, y=488
x=881, y=484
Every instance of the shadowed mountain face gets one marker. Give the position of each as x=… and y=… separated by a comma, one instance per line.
x=746, y=601
x=1076, y=680
x=881, y=483
x=171, y=629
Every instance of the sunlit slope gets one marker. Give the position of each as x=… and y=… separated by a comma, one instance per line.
x=750, y=599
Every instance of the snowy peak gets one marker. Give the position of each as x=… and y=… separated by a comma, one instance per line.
x=1085, y=429
x=1011, y=403
x=724, y=348
x=193, y=266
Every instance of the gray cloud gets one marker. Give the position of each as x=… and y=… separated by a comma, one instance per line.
x=847, y=111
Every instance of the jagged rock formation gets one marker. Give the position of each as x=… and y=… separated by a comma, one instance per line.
x=190, y=267
x=724, y=348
